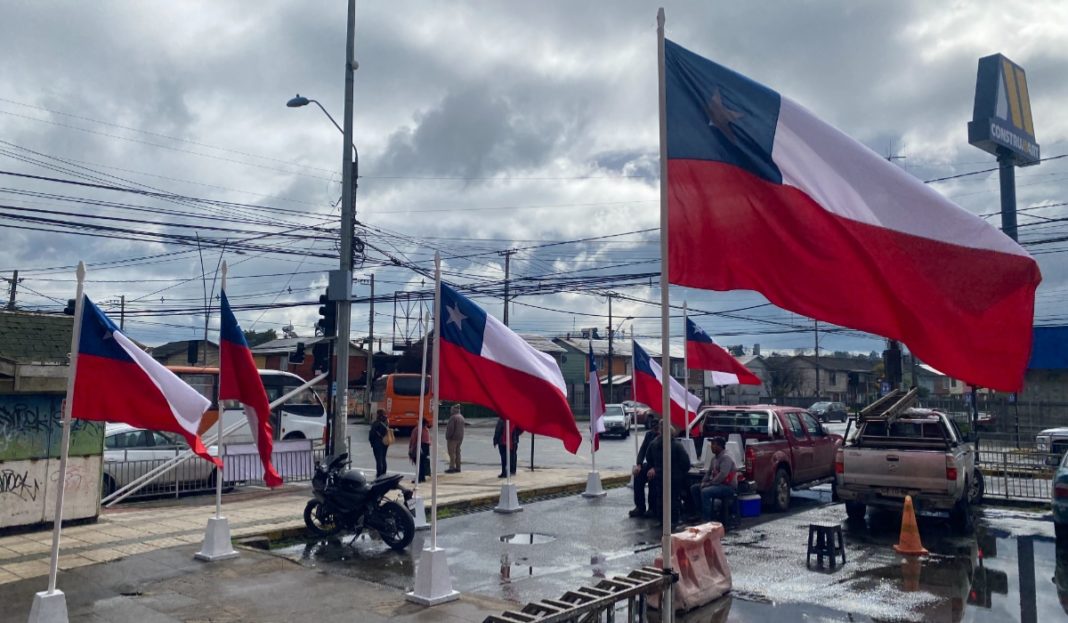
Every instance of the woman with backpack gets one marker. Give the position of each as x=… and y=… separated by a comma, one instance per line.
x=380, y=436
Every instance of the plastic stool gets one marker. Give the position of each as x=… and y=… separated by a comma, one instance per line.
x=825, y=541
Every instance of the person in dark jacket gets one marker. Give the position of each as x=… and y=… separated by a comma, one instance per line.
x=508, y=448
x=424, y=451
x=641, y=469
x=377, y=437
x=680, y=467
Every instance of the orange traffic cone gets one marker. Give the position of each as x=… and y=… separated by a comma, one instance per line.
x=911, y=567
x=909, y=541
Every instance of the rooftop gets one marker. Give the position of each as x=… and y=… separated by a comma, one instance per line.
x=30, y=337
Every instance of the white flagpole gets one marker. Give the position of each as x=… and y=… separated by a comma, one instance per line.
x=419, y=427
x=217, y=544
x=686, y=363
x=667, y=607
x=418, y=507
x=432, y=582
x=593, y=479
x=51, y=605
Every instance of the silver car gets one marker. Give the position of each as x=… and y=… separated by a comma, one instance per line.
x=130, y=452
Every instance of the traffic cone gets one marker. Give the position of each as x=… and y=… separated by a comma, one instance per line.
x=911, y=567
x=909, y=542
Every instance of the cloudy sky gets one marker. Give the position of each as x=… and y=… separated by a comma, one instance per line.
x=481, y=127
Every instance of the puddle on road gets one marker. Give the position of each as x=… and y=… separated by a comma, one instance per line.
x=527, y=538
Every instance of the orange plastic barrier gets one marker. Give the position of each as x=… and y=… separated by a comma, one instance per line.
x=704, y=574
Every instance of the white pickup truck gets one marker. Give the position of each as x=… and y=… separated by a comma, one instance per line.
x=920, y=453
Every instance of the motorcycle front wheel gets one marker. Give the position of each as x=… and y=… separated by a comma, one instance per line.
x=396, y=525
x=320, y=522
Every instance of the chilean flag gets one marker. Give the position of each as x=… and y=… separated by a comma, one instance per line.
x=484, y=362
x=649, y=388
x=240, y=380
x=596, y=402
x=764, y=196
x=702, y=353
x=116, y=381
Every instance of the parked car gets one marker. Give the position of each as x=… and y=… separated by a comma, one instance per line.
x=1054, y=443
x=130, y=452
x=785, y=448
x=922, y=454
x=639, y=412
x=617, y=422
x=826, y=411
x=1060, y=500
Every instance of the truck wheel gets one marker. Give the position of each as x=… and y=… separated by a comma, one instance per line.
x=960, y=518
x=856, y=511
x=780, y=491
x=976, y=487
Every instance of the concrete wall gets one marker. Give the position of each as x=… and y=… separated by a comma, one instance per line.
x=30, y=437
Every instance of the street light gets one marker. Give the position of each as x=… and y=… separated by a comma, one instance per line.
x=300, y=100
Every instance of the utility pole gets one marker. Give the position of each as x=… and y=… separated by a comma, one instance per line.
x=507, y=277
x=816, y=331
x=370, y=353
x=122, y=312
x=11, y=295
x=349, y=175
x=611, y=386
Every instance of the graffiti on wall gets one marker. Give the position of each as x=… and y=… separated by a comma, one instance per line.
x=19, y=484
x=31, y=427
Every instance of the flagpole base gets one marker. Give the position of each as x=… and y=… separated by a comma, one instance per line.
x=433, y=585
x=593, y=486
x=49, y=607
x=419, y=512
x=691, y=452
x=509, y=500
x=217, y=545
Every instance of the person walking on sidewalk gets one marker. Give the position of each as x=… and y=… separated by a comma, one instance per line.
x=454, y=437
x=424, y=452
x=507, y=446
x=380, y=437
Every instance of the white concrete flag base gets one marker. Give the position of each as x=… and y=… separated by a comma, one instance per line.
x=49, y=607
x=217, y=544
x=433, y=585
x=593, y=486
x=690, y=450
x=419, y=512
x=509, y=500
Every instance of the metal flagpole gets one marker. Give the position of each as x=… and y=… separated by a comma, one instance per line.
x=634, y=397
x=418, y=508
x=217, y=544
x=593, y=479
x=51, y=605
x=687, y=441
x=668, y=606
x=433, y=585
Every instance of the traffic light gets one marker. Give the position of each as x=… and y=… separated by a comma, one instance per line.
x=892, y=363
x=69, y=309
x=327, y=325
x=321, y=357
x=192, y=347
x=297, y=356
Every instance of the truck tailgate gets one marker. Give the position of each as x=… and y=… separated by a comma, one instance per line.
x=896, y=470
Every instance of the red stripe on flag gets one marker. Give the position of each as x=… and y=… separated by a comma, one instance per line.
x=730, y=230
x=649, y=390
x=706, y=356
x=240, y=380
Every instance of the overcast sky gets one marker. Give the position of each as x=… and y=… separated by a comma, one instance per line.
x=480, y=127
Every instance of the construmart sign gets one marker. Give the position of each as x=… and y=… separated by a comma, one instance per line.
x=1001, y=119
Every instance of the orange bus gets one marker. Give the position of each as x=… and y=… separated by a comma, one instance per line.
x=398, y=396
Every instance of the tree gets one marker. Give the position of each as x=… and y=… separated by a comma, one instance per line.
x=737, y=351
x=255, y=338
x=783, y=378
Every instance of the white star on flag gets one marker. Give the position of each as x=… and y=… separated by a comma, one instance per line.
x=455, y=317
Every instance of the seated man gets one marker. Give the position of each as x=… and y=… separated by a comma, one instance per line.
x=680, y=467
x=720, y=482
x=641, y=470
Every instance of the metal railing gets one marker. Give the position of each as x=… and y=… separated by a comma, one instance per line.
x=1017, y=474
x=589, y=604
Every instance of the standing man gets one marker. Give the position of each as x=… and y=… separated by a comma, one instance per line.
x=454, y=437
x=507, y=446
x=377, y=438
x=641, y=469
x=720, y=481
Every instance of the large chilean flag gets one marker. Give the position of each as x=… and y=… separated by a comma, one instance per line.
x=484, y=362
x=648, y=388
x=116, y=381
x=702, y=353
x=240, y=380
x=764, y=196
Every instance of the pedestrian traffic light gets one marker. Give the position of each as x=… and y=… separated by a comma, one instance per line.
x=69, y=309
x=321, y=357
x=297, y=356
x=327, y=325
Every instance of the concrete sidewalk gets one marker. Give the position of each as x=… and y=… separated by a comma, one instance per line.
x=150, y=526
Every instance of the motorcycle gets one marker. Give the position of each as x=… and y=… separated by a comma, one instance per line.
x=344, y=500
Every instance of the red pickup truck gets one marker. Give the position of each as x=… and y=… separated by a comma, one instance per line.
x=785, y=448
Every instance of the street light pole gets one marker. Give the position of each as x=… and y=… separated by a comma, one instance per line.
x=348, y=214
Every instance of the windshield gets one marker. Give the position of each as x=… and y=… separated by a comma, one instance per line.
x=736, y=421
x=613, y=411
x=820, y=406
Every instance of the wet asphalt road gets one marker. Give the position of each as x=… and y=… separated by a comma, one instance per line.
x=557, y=545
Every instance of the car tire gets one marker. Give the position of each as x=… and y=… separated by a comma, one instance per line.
x=294, y=435
x=107, y=486
x=856, y=511
x=976, y=487
x=780, y=491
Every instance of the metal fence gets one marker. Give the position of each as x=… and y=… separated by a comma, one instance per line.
x=241, y=467
x=1017, y=474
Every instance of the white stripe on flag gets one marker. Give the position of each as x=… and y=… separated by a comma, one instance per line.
x=679, y=395
x=186, y=403
x=501, y=344
x=723, y=378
